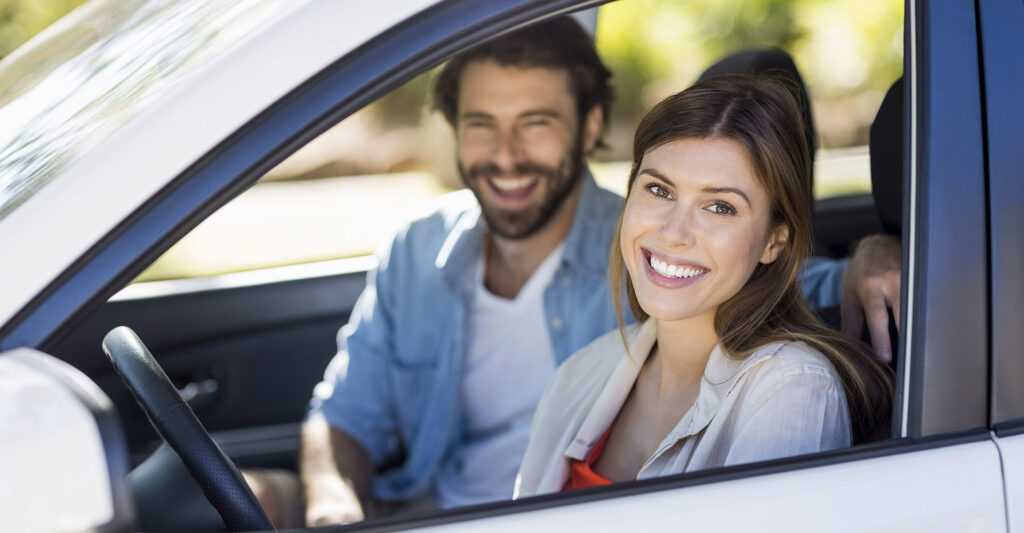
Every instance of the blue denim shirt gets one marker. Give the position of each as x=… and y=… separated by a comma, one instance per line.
x=394, y=384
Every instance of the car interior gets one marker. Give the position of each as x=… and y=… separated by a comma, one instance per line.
x=245, y=350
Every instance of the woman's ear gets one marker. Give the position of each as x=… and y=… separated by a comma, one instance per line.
x=776, y=242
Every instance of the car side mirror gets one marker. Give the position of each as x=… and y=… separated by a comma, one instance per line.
x=62, y=451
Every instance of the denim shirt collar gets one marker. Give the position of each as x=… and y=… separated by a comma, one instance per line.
x=584, y=246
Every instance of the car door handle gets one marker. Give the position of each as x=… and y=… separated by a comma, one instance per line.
x=199, y=392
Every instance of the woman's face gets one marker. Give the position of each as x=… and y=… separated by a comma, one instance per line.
x=695, y=225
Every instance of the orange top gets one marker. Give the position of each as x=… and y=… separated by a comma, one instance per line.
x=581, y=475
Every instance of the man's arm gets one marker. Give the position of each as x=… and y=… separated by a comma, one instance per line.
x=871, y=284
x=336, y=474
x=351, y=421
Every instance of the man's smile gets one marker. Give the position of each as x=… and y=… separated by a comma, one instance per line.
x=513, y=188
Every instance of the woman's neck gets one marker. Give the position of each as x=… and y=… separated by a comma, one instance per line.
x=682, y=352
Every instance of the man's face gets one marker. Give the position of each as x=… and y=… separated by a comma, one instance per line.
x=519, y=147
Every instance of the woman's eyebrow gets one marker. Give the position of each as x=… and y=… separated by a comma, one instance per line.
x=656, y=175
x=719, y=190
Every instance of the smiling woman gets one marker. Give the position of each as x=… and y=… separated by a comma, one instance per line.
x=728, y=366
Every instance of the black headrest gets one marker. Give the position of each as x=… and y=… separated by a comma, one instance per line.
x=886, y=146
x=770, y=62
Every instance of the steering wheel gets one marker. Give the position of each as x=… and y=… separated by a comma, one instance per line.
x=174, y=420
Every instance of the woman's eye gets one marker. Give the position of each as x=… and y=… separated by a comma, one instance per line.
x=721, y=208
x=658, y=190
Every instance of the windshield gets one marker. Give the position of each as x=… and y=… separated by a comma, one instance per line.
x=96, y=69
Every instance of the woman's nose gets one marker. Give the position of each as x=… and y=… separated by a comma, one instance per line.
x=679, y=225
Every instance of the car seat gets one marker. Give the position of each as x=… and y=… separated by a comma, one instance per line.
x=887, y=161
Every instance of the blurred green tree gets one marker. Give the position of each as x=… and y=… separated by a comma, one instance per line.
x=848, y=52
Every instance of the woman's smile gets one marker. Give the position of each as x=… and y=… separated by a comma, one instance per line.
x=669, y=272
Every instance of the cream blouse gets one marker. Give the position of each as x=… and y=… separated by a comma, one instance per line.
x=784, y=399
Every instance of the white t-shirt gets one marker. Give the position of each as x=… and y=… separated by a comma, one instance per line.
x=509, y=361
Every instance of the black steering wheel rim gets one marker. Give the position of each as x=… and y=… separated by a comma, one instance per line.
x=174, y=420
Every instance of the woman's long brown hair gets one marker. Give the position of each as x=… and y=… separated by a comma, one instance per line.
x=762, y=116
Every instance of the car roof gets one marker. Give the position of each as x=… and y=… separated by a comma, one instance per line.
x=121, y=168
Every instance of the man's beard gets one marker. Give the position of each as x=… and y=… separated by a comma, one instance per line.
x=558, y=183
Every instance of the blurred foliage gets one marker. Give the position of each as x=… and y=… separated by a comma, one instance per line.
x=653, y=43
x=844, y=49
x=21, y=19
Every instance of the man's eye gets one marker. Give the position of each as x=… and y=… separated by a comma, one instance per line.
x=477, y=124
x=658, y=190
x=721, y=208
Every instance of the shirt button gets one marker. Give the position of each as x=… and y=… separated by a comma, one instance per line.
x=556, y=322
x=565, y=280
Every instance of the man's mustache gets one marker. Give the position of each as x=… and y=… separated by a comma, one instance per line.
x=490, y=170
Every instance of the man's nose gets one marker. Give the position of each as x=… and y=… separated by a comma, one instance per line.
x=508, y=151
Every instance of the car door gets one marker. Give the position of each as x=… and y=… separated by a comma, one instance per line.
x=245, y=352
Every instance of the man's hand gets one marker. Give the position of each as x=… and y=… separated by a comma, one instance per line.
x=336, y=473
x=334, y=505
x=871, y=284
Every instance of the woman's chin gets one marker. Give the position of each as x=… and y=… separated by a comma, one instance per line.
x=669, y=313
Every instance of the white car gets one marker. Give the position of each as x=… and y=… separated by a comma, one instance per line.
x=127, y=123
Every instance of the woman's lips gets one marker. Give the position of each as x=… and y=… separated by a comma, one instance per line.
x=671, y=273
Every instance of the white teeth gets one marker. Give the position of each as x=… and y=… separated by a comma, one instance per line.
x=511, y=184
x=674, y=271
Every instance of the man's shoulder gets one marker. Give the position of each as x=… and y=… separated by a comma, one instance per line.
x=424, y=231
x=442, y=213
x=601, y=203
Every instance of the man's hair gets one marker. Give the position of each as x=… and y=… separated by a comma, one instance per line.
x=559, y=43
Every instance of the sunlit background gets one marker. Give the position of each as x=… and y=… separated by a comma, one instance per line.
x=342, y=194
